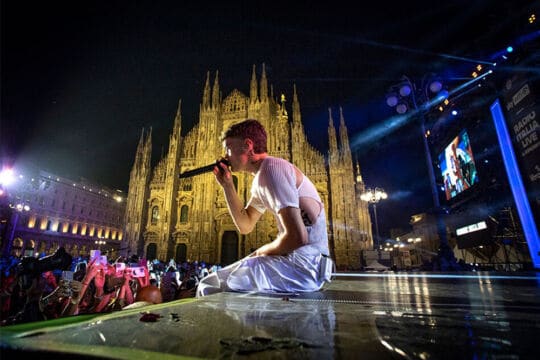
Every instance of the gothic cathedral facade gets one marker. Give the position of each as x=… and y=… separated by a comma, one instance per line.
x=187, y=218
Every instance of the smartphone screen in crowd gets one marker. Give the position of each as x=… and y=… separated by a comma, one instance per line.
x=95, y=254
x=138, y=271
x=67, y=275
x=120, y=267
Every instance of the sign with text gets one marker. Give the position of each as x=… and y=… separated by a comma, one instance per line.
x=522, y=108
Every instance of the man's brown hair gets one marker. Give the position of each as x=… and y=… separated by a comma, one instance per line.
x=248, y=129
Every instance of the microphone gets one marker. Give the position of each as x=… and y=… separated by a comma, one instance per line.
x=204, y=169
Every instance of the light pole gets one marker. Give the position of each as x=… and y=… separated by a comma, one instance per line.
x=17, y=210
x=403, y=96
x=373, y=196
x=99, y=243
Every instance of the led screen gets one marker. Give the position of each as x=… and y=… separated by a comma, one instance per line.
x=457, y=166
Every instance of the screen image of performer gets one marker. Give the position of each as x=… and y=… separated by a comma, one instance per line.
x=295, y=261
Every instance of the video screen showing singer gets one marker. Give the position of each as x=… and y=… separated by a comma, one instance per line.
x=296, y=260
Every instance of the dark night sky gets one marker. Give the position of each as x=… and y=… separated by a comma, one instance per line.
x=81, y=79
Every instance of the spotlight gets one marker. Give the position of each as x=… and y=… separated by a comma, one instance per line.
x=405, y=90
x=509, y=49
x=401, y=108
x=391, y=100
x=435, y=87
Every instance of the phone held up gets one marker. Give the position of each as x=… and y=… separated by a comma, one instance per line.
x=137, y=271
x=67, y=275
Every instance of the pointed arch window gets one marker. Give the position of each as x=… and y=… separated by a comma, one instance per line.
x=155, y=215
x=184, y=214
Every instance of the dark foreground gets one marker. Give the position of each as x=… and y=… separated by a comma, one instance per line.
x=358, y=316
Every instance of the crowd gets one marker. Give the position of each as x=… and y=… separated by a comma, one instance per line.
x=54, y=286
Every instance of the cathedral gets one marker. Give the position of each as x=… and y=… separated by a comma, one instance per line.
x=187, y=218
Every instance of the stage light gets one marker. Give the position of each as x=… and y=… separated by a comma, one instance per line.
x=435, y=87
x=405, y=90
x=428, y=84
x=391, y=100
x=6, y=176
x=509, y=49
x=454, y=112
x=442, y=95
x=401, y=108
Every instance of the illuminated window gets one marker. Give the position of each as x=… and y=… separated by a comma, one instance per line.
x=32, y=222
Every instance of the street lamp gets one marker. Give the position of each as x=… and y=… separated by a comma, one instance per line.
x=430, y=92
x=99, y=243
x=373, y=196
x=17, y=210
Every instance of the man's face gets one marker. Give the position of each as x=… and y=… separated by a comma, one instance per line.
x=236, y=151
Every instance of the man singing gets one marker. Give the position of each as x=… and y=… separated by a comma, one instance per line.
x=291, y=263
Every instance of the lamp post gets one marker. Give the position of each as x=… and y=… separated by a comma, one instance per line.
x=404, y=95
x=17, y=210
x=99, y=243
x=373, y=196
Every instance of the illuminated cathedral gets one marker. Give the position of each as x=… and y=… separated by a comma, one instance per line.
x=187, y=218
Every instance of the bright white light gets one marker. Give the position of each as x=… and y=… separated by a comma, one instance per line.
x=6, y=177
x=471, y=228
x=21, y=207
x=374, y=195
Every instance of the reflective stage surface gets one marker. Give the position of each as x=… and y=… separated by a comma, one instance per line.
x=357, y=316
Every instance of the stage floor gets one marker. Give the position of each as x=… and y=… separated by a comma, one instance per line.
x=482, y=315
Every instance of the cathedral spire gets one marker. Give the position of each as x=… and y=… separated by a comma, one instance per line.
x=283, y=100
x=297, y=117
x=253, y=93
x=332, y=140
x=178, y=120
x=139, y=154
x=148, y=149
x=344, y=137
x=141, y=141
x=206, y=93
x=264, y=84
x=215, y=91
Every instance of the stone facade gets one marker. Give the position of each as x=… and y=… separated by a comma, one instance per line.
x=47, y=211
x=187, y=219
